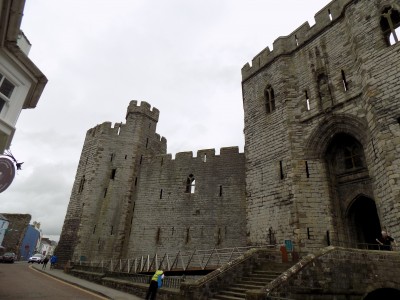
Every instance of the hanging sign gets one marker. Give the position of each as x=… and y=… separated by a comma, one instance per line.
x=7, y=173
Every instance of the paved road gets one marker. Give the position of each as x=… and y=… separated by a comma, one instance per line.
x=20, y=281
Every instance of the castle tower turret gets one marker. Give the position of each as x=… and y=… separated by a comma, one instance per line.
x=101, y=200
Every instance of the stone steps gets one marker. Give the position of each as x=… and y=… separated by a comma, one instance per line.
x=259, y=278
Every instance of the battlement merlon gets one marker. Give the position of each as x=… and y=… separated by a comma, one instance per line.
x=287, y=44
x=225, y=152
x=144, y=108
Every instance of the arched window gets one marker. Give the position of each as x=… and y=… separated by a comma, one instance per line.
x=190, y=184
x=390, y=25
x=347, y=154
x=353, y=156
x=269, y=99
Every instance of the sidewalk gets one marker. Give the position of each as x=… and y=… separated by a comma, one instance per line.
x=87, y=285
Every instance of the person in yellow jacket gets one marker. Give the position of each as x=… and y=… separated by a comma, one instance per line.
x=155, y=283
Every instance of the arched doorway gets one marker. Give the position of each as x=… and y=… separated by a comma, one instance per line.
x=357, y=221
x=363, y=223
x=385, y=293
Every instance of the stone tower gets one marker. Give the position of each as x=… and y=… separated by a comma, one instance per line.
x=322, y=129
x=131, y=198
x=101, y=198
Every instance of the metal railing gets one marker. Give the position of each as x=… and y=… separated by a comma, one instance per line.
x=196, y=260
x=366, y=246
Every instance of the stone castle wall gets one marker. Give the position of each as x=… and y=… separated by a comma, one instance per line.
x=345, y=68
x=129, y=196
x=320, y=159
x=168, y=217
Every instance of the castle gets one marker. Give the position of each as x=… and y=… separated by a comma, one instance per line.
x=320, y=167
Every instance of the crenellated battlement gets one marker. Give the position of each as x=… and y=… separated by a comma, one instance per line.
x=287, y=44
x=143, y=108
x=187, y=156
x=107, y=128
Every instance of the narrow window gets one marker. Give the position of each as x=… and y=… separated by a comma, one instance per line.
x=147, y=142
x=308, y=233
x=105, y=192
x=345, y=87
x=330, y=15
x=131, y=220
x=111, y=156
x=126, y=156
x=269, y=99
x=81, y=184
x=161, y=194
x=187, y=235
x=205, y=158
x=398, y=120
x=307, y=170
x=158, y=235
x=328, y=239
x=307, y=100
x=119, y=130
x=296, y=39
x=113, y=171
x=162, y=160
x=135, y=181
x=141, y=158
x=281, y=169
x=390, y=25
x=190, y=184
x=112, y=230
x=220, y=190
x=94, y=229
x=173, y=230
x=219, y=239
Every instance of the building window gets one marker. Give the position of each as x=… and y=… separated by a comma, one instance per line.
x=269, y=99
x=353, y=156
x=390, y=25
x=113, y=171
x=81, y=184
x=6, y=90
x=308, y=106
x=190, y=184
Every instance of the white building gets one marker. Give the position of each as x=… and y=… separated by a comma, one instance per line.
x=3, y=228
x=21, y=82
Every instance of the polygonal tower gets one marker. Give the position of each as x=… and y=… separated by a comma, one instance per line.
x=322, y=132
x=101, y=205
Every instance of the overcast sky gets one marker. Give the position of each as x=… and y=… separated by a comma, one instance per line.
x=182, y=56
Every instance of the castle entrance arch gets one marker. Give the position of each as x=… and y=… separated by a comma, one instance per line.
x=384, y=293
x=363, y=223
x=356, y=216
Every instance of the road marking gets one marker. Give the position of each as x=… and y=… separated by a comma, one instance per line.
x=71, y=285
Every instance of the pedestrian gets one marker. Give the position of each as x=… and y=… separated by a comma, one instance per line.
x=385, y=241
x=45, y=261
x=155, y=283
x=53, y=261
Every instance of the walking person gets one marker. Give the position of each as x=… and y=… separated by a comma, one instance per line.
x=155, y=283
x=45, y=261
x=53, y=261
x=385, y=241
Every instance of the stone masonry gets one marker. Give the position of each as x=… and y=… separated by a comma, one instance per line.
x=322, y=129
x=131, y=198
x=321, y=162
